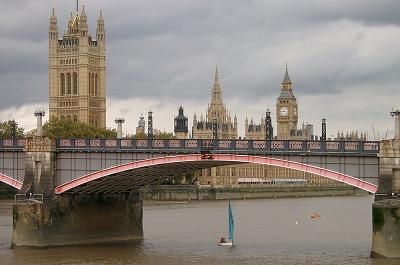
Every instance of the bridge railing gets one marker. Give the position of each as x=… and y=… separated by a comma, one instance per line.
x=13, y=144
x=220, y=146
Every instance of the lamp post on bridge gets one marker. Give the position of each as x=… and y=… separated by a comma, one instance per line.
x=396, y=114
x=323, y=135
x=119, y=122
x=39, y=114
x=150, y=125
x=269, y=130
x=13, y=129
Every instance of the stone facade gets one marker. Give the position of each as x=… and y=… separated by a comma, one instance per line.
x=230, y=175
x=287, y=114
x=254, y=131
x=140, y=129
x=351, y=136
x=77, y=68
x=226, y=129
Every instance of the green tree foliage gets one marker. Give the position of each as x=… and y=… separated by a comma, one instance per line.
x=57, y=129
x=6, y=130
x=188, y=178
x=157, y=134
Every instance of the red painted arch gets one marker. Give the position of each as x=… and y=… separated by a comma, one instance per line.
x=355, y=182
x=10, y=181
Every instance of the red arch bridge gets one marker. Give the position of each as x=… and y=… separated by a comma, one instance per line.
x=90, y=186
x=122, y=178
x=83, y=166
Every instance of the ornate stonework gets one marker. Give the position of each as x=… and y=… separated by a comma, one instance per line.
x=226, y=129
x=286, y=109
x=77, y=85
x=254, y=131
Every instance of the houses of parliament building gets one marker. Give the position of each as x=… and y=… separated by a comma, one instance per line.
x=77, y=64
x=77, y=91
x=218, y=115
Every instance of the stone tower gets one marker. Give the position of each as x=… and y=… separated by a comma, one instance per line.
x=181, y=125
x=286, y=110
x=141, y=125
x=216, y=111
x=77, y=67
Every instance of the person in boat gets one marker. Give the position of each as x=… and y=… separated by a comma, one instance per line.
x=222, y=240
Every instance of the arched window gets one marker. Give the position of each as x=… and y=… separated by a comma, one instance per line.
x=68, y=117
x=75, y=77
x=75, y=118
x=62, y=117
x=95, y=85
x=62, y=84
x=68, y=83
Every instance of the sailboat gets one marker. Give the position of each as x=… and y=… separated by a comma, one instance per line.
x=231, y=225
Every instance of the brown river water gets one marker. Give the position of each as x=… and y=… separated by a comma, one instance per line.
x=267, y=231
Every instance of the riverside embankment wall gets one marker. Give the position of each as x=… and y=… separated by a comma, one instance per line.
x=185, y=193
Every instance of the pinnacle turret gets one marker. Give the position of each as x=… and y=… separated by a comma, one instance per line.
x=53, y=17
x=286, y=79
x=216, y=93
x=83, y=13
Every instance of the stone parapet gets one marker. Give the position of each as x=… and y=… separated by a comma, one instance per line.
x=389, y=166
x=40, y=163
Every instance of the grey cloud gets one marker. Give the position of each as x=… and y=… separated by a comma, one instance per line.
x=168, y=50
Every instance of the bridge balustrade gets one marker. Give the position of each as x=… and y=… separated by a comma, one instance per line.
x=12, y=144
x=218, y=146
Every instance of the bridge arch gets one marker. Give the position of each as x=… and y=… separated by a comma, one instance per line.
x=10, y=181
x=125, y=177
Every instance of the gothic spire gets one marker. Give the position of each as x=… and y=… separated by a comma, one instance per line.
x=216, y=95
x=83, y=13
x=286, y=79
x=216, y=78
x=53, y=15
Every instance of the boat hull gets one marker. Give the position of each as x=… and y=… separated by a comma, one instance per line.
x=225, y=244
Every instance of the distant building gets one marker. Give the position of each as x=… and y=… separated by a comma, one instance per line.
x=251, y=173
x=287, y=114
x=351, y=136
x=226, y=128
x=253, y=131
x=140, y=129
x=77, y=69
x=181, y=125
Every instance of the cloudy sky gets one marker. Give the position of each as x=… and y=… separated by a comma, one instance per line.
x=343, y=58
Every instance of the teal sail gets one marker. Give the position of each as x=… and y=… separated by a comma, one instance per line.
x=231, y=222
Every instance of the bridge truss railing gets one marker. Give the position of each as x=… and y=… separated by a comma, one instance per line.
x=219, y=146
x=13, y=144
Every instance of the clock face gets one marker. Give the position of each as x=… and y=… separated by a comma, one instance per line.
x=284, y=111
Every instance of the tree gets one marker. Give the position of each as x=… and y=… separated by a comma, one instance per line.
x=57, y=129
x=6, y=130
x=157, y=134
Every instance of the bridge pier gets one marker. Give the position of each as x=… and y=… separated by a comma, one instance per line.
x=69, y=219
x=386, y=209
x=78, y=219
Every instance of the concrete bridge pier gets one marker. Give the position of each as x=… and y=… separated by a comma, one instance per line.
x=69, y=219
x=386, y=209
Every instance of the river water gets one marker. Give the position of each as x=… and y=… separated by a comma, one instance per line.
x=267, y=231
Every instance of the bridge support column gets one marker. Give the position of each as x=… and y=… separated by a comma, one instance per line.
x=79, y=219
x=386, y=209
x=386, y=229
x=40, y=167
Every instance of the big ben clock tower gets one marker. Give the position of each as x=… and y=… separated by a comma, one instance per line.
x=286, y=110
